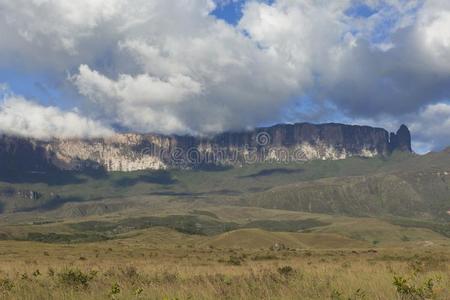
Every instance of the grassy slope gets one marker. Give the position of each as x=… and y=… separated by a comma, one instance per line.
x=222, y=183
x=403, y=185
x=422, y=195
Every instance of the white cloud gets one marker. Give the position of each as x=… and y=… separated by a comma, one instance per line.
x=57, y=25
x=197, y=75
x=433, y=32
x=21, y=117
x=146, y=99
x=431, y=127
x=171, y=67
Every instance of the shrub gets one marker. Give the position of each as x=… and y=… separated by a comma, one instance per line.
x=286, y=271
x=138, y=291
x=75, y=278
x=6, y=285
x=51, y=272
x=234, y=260
x=115, y=290
x=407, y=290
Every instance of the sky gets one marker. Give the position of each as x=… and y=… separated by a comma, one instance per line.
x=90, y=68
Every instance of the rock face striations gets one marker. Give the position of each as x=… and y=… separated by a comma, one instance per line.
x=132, y=152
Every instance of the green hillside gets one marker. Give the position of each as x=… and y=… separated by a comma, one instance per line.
x=403, y=192
x=421, y=195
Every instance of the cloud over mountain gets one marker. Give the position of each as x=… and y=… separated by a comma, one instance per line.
x=173, y=67
x=22, y=117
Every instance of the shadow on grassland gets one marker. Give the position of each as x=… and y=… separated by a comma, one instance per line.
x=157, y=177
x=269, y=172
x=51, y=177
x=52, y=204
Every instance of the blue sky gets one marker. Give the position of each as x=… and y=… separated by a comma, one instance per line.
x=231, y=12
x=32, y=86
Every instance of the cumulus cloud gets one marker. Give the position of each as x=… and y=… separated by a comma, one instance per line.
x=19, y=116
x=402, y=79
x=172, y=67
x=198, y=75
x=144, y=97
x=360, y=71
x=431, y=127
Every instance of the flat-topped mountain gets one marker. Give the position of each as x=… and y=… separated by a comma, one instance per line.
x=132, y=151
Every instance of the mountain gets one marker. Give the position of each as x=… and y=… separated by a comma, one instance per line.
x=400, y=189
x=401, y=185
x=132, y=152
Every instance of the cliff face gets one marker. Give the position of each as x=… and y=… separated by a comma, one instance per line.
x=131, y=152
x=401, y=141
x=18, y=154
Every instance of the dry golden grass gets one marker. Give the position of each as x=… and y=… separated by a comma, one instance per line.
x=147, y=266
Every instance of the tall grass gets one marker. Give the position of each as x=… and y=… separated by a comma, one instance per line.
x=194, y=273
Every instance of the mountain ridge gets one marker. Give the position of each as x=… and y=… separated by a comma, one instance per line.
x=135, y=151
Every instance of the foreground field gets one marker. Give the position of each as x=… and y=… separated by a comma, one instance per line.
x=160, y=263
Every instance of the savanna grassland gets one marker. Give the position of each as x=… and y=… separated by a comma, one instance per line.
x=354, y=229
x=164, y=264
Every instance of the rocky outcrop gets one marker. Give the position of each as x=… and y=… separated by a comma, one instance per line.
x=131, y=152
x=401, y=141
x=10, y=192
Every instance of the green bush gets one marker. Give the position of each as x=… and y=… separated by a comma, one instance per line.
x=115, y=290
x=75, y=278
x=409, y=291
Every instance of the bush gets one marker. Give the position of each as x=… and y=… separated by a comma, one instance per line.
x=407, y=290
x=75, y=278
x=235, y=261
x=286, y=271
x=138, y=291
x=115, y=290
x=6, y=285
x=51, y=272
